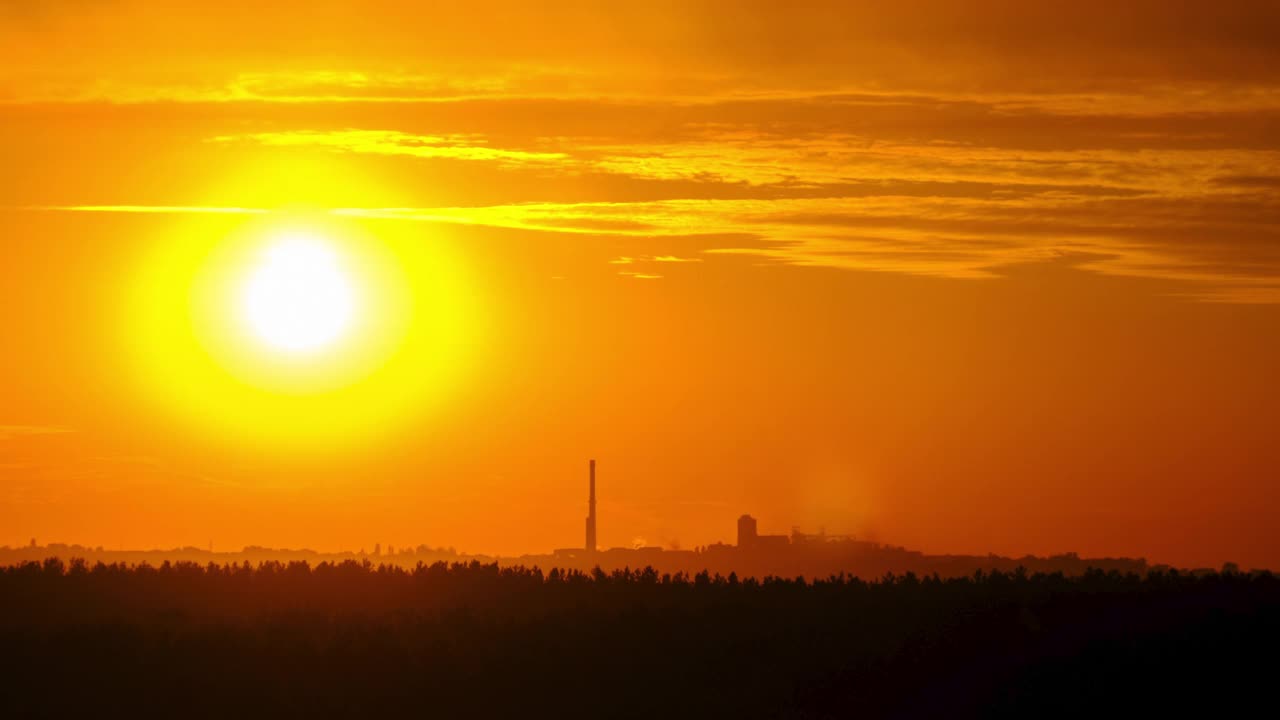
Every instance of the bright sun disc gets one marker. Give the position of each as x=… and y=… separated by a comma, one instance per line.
x=298, y=298
x=299, y=329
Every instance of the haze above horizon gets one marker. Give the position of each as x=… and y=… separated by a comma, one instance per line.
x=983, y=277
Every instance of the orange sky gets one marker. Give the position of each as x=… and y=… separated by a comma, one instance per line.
x=999, y=277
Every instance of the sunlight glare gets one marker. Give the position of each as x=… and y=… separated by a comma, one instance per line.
x=300, y=329
x=299, y=298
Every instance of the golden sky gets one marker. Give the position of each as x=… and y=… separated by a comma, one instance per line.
x=966, y=277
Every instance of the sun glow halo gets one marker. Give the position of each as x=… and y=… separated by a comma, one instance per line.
x=300, y=329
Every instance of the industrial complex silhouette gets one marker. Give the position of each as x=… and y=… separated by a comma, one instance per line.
x=591, y=512
x=753, y=555
x=798, y=553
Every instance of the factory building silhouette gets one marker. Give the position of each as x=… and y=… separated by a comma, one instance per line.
x=755, y=555
x=749, y=538
x=591, y=511
x=798, y=553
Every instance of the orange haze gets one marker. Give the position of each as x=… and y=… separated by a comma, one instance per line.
x=967, y=277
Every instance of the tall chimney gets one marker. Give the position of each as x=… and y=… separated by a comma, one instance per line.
x=591, y=512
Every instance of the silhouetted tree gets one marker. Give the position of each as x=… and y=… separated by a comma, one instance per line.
x=476, y=639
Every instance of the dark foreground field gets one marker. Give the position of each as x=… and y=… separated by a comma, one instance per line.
x=476, y=641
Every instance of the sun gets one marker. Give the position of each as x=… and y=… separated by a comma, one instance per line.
x=299, y=298
x=304, y=330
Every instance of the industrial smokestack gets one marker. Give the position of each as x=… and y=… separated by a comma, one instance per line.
x=591, y=511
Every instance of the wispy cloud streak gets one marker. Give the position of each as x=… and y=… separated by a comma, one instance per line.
x=10, y=432
x=152, y=209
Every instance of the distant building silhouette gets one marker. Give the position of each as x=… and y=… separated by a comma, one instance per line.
x=799, y=554
x=746, y=531
x=750, y=539
x=591, y=512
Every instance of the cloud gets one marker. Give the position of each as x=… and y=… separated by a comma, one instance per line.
x=10, y=432
x=154, y=209
x=1222, y=246
x=390, y=142
x=853, y=136
x=289, y=49
x=625, y=260
x=1248, y=182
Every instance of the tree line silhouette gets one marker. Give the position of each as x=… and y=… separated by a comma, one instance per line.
x=479, y=640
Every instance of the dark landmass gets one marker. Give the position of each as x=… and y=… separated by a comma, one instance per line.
x=354, y=639
x=780, y=555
